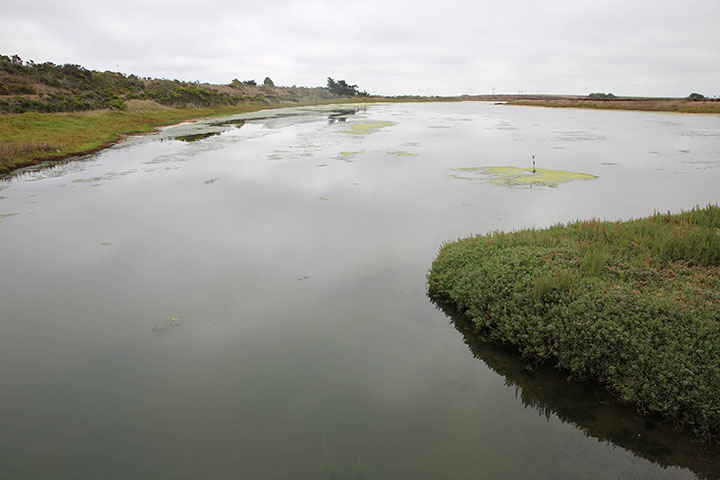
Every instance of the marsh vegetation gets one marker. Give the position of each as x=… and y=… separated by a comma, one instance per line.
x=632, y=304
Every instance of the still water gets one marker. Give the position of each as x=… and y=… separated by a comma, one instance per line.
x=251, y=304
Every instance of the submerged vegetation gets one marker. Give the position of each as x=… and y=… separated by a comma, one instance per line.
x=516, y=177
x=632, y=304
x=366, y=128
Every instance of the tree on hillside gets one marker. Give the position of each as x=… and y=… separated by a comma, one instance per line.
x=696, y=96
x=341, y=87
x=268, y=83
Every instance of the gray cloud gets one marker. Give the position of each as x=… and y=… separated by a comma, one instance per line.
x=661, y=48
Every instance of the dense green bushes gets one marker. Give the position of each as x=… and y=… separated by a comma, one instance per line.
x=63, y=102
x=10, y=87
x=634, y=304
x=67, y=77
x=170, y=93
x=73, y=88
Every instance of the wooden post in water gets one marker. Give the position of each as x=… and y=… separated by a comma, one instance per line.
x=533, y=163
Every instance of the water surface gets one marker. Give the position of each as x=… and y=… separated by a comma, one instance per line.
x=246, y=298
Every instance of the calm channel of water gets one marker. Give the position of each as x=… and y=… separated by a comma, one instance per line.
x=251, y=304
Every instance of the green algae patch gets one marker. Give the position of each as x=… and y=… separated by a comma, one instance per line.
x=402, y=154
x=368, y=127
x=460, y=177
x=349, y=154
x=521, y=177
x=6, y=215
x=167, y=324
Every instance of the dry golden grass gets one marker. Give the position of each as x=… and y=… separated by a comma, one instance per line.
x=641, y=104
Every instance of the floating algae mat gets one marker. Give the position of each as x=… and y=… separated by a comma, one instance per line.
x=400, y=153
x=368, y=127
x=517, y=177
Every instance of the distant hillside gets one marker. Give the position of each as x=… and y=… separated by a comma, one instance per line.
x=26, y=86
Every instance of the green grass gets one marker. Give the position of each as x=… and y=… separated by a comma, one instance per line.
x=635, y=305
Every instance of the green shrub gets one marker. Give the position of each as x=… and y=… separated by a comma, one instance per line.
x=173, y=94
x=600, y=95
x=635, y=305
x=10, y=87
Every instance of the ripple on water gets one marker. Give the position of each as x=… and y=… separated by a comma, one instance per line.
x=576, y=136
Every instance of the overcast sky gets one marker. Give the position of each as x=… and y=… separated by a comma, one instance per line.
x=448, y=47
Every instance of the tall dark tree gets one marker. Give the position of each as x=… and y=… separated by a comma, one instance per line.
x=340, y=87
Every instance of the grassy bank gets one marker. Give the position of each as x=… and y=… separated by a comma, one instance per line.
x=31, y=138
x=635, y=305
x=678, y=105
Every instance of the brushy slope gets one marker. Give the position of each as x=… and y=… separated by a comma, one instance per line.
x=46, y=88
x=635, y=305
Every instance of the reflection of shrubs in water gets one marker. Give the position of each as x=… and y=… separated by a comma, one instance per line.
x=341, y=115
x=196, y=136
x=587, y=405
x=237, y=123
